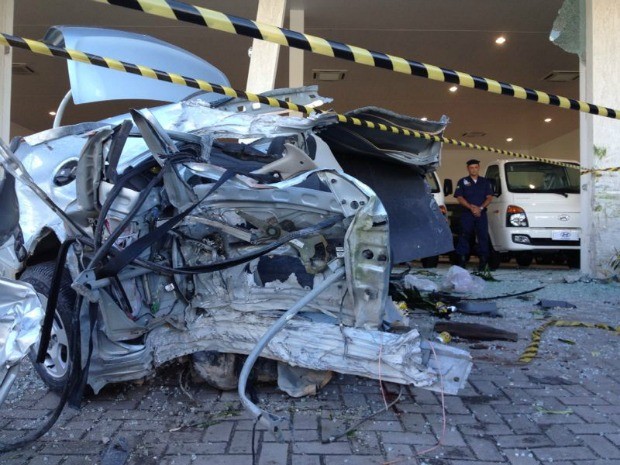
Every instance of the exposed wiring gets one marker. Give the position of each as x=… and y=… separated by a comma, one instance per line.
x=443, y=406
x=380, y=379
x=506, y=296
x=364, y=419
x=444, y=421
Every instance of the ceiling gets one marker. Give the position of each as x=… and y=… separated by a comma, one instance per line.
x=457, y=34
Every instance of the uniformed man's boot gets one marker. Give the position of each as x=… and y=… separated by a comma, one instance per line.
x=483, y=263
x=462, y=261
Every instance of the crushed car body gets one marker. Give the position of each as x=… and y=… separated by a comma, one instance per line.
x=194, y=227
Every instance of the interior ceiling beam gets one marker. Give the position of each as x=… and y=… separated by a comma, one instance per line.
x=264, y=55
x=6, y=61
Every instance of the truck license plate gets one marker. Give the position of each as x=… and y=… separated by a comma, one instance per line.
x=565, y=235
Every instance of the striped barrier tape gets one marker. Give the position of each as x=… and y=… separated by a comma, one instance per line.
x=42, y=48
x=179, y=11
x=532, y=349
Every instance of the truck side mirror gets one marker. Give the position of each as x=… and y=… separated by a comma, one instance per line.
x=495, y=187
x=447, y=186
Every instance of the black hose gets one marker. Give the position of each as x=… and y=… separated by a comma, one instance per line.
x=52, y=299
x=223, y=264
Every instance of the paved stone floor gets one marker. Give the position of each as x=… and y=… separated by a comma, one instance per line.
x=564, y=407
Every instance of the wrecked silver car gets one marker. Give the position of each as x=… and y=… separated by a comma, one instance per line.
x=216, y=228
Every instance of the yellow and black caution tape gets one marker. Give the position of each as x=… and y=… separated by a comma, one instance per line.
x=532, y=349
x=179, y=11
x=614, y=169
x=43, y=48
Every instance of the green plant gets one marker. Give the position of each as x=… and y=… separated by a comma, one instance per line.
x=600, y=152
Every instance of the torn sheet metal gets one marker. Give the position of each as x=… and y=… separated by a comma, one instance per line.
x=21, y=314
x=393, y=166
x=322, y=346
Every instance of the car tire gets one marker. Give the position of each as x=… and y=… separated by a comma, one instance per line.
x=54, y=370
x=524, y=259
x=430, y=262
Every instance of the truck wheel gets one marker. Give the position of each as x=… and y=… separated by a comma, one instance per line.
x=430, y=262
x=54, y=370
x=524, y=259
x=494, y=260
x=543, y=259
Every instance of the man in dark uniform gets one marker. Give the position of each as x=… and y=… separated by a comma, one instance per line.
x=474, y=193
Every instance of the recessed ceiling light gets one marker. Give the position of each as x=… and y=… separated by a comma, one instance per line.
x=500, y=40
x=424, y=118
x=474, y=134
x=562, y=76
x=547, y=120
x=329, y=74
x=509, y=139
x=52, y=113
x=453, y=89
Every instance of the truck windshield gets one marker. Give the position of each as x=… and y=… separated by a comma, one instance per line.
x=541, y=177
x=431, y=179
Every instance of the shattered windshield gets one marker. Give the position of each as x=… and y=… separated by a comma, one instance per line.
x=539, y=177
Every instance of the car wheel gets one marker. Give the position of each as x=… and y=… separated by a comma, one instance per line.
x=524, y=259
x=54, y=370
x=430, y=262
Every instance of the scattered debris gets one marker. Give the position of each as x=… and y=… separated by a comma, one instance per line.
x=475, y=331
x=486, y=275
x=546, y=303
x=546, y=411
x=413, y=282
x=116, y=453
x=532, y=349
x=478, y=308
x=460, y=280
x=549, y=380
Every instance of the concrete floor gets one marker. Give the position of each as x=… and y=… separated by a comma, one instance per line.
x=563, y=407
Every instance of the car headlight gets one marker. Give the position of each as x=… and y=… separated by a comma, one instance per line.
x=516, y=217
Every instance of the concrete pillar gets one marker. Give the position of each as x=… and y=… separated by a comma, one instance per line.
x=264, y=58
x=296, y=56
x=600, y=139
x=6, y=60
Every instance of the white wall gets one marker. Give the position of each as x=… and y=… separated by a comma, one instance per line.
x=600, y=143
x=566, y=147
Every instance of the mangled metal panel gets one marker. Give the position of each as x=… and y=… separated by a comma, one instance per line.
x=393, y=165
x=21, y=315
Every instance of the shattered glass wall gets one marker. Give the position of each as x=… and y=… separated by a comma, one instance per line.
x=569, y=28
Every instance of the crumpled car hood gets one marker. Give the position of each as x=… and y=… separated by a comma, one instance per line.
x=95, y=84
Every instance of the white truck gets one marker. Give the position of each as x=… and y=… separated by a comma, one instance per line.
x=535, y=212
x=439, y=192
